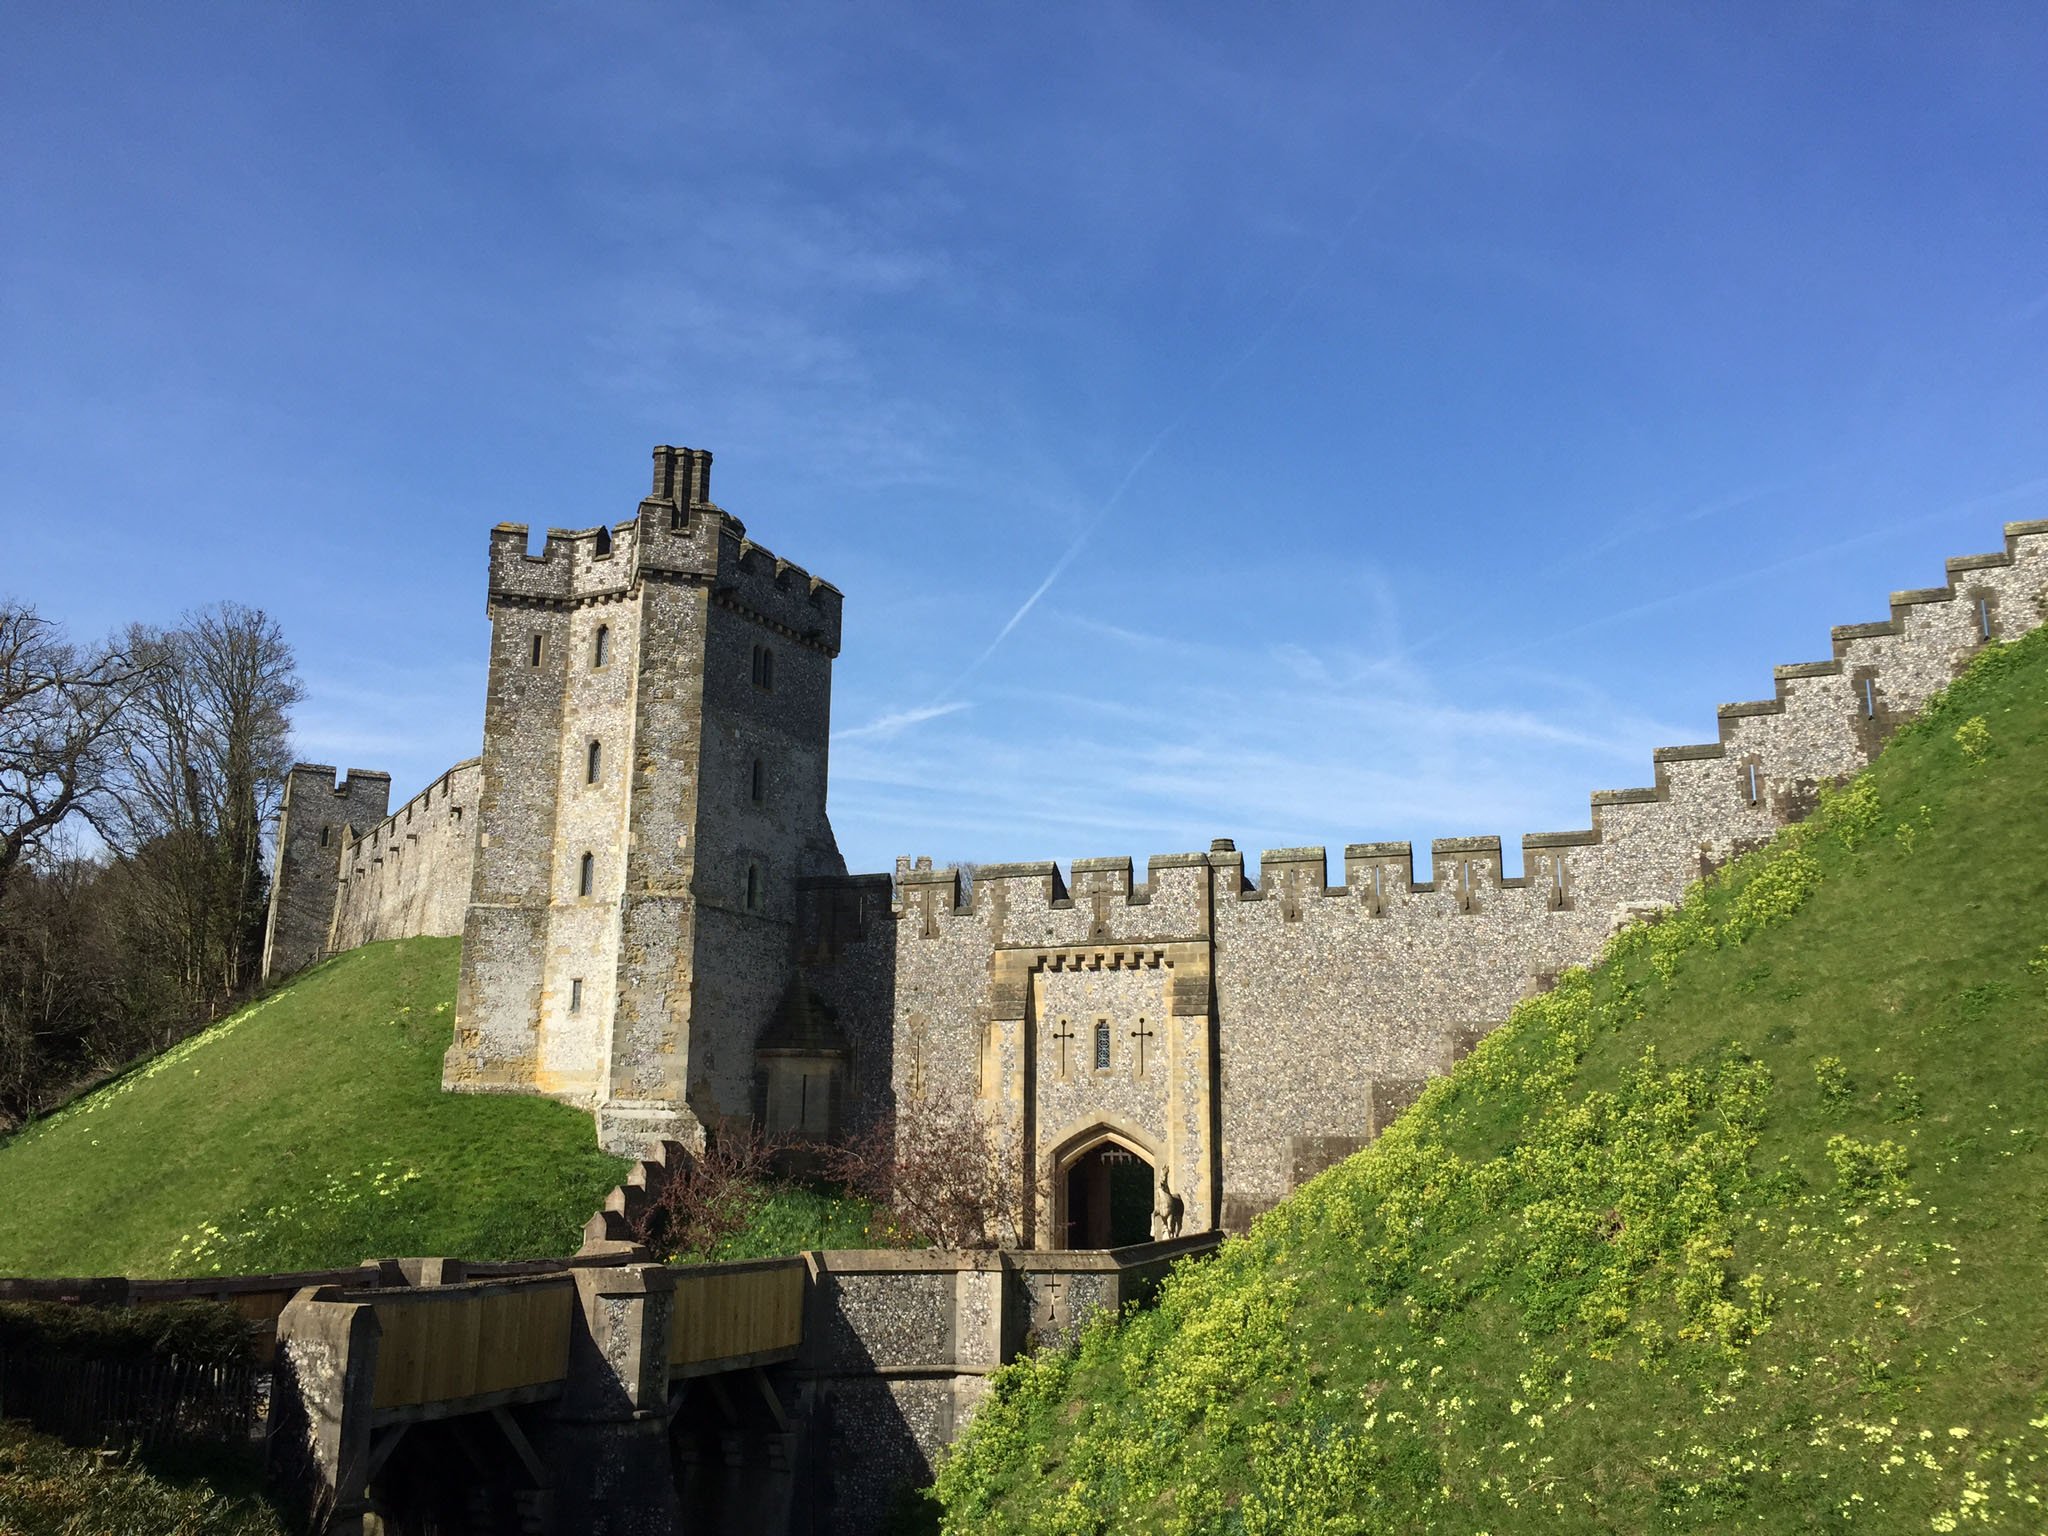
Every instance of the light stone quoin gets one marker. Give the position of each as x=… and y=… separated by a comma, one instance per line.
x=659, y=700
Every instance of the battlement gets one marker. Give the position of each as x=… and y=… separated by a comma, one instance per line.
x=453, y=790
x=677, y=533
x=575, y=564
x=777, y=593
x=328, y=779
x=1708, y=802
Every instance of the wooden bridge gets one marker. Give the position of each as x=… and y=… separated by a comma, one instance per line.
x=605, y=1394
x=381, y=1390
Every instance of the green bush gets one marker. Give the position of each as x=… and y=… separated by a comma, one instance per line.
x=191, y=1330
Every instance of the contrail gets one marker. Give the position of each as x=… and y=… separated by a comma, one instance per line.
x=2017, y=492
x=1308, y=284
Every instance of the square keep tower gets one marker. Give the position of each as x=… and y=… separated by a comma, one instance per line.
x=654, y=767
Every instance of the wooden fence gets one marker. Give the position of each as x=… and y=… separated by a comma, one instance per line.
x=151, y=1401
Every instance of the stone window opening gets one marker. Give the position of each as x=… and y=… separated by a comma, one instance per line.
x=1750, y=782
x=757, y=787
x=455, y=814
x=576, y=994
x=1102, y=1045
x=1557, y=883
x=534, y=659
x=326, y=835
x=593, y=763
x=604, y=542
x=1983, y=618
x=1869, y=698
x=764, y=669
x=753, y=887
x=601, y=646
x=586, y=874
x=678, y=520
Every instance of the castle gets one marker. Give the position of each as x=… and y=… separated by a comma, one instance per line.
x=657, y=923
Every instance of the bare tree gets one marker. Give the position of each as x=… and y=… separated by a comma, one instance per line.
x=61, y=713
x=206, y=751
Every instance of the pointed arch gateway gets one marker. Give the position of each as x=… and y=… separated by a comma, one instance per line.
x=1104, y=1186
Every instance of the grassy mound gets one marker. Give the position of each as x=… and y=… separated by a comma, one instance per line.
x=307, y=1131
x=1744, y=1229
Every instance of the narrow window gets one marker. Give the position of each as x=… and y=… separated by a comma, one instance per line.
x=601, y=647
x=576, y=994
x=593, y=764
x=325, y=834
x=1557, y=879
x=1101, y=1045
x=1983, y=618
x=455, y=814
x=536, y=651
x=753, y=888
x=767, y=669
x=1869, y=699
x=759, y=787
x=757, y=666
x=678, y=520
x=1749, y=777
x=604, y=542
x=586, y=874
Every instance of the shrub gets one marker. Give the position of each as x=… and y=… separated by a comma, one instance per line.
x=713, y=1194
x=1974, y=737
x=190, y=1330
x=1868, y=1169
x=941, y=1172
x=1833, y=1080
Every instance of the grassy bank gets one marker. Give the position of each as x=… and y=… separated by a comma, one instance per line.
x=1744, y=1229
x=48, y=1488
x=307, y=1131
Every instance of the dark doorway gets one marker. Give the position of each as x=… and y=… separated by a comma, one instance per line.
x=1109, y=1199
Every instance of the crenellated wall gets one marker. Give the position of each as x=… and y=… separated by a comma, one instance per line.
x=318, y=817
x=349, y=871
x=1234, y=1029
x=1284, y=1020
x=408, y=876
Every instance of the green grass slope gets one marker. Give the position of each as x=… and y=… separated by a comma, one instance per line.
x=307, y=1131
x=1745, y=1229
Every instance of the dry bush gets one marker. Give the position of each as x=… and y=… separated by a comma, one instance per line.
x=941, y=1172
x=711, y=1195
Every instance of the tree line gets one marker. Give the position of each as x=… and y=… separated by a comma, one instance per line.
x=138, y=776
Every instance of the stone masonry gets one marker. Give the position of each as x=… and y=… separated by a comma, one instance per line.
x=659, y=926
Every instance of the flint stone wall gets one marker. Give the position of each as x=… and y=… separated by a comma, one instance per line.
x=1333, y=1004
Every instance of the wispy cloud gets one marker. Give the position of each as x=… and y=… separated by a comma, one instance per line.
x=1236, y=361
x=895, y=724
x=1175, y=739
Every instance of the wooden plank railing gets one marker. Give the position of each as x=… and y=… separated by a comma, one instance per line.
x=447, y=1344
x=731, y=1313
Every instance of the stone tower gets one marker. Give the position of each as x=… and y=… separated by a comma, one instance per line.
x=312, y=829
x=654, y=765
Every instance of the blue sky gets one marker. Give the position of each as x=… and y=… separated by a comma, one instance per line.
x=1300, y=424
